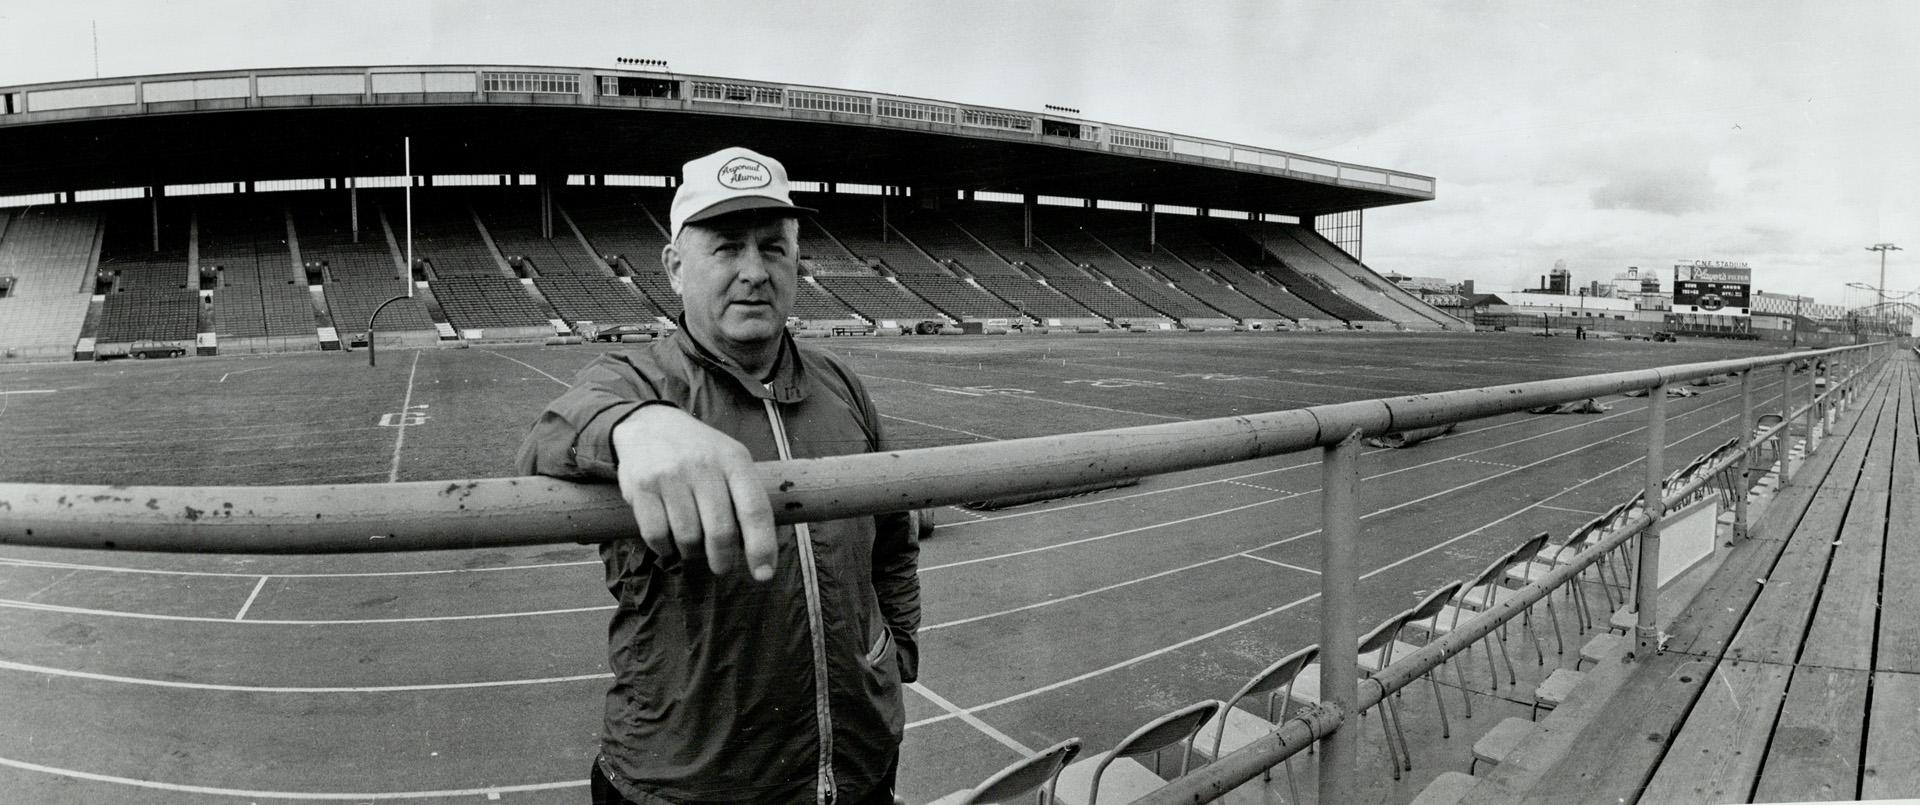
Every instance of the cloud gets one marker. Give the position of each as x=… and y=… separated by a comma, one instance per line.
x=1675, y=193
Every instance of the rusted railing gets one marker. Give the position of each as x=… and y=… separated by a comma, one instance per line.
x=532, y=510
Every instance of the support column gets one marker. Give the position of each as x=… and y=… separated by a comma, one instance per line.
x=353, y=209
x=1647, y=591
x=1153, y=228
x=1026, y=220
x=1339, y=634
x=153, y=206
x=1786, y=423
x=546, y=207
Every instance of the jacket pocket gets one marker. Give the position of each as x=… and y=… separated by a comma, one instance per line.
x=882, y=646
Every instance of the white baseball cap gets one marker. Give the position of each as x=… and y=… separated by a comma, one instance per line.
x=727, y=181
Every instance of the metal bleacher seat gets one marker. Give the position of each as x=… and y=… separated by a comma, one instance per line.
x=1376, y=652
x=1480, y=594
x=1125, y=778
x=1232, y=728
x=1030, y=775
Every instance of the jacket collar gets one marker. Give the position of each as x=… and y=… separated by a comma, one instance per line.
x=787, y=384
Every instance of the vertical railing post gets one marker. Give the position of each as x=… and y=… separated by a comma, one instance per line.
x=1785, y=434
x=1647, y=591
x=1339, y=632
x=1812, y=372
x=1746, y=456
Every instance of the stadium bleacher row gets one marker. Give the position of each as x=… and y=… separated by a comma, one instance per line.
x=484, y=264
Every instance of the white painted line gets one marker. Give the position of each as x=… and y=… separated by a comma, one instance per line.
x=959, y=392
x=1097, y=538
x=21, y=667
x=298, y=795
x=1565, y=509
x=941, y=427
x=536, y=369
x=1034, y=397
x=249, y=604
x=1082, y=594
x=1280, y=563
x=223, y=378
x=30, y=391
x=971, y=719
x=1289, y=605
x=400, y=437
x=11, y=603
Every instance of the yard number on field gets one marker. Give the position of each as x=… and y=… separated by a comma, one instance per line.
x=404, y=418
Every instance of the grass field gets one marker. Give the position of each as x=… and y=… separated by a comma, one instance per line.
x=477, y=675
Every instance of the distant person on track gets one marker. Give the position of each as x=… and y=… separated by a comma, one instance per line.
x=750, y=664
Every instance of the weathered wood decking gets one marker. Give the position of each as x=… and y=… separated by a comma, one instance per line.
x=1795, y=672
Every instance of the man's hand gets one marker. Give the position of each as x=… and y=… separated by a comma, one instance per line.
x=693, y=491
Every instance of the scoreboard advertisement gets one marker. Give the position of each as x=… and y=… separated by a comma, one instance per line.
x=1712, y=288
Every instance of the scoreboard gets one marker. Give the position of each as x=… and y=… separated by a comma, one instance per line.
x=1712, y=288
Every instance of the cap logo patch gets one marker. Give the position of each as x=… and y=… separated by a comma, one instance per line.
x=741, y=173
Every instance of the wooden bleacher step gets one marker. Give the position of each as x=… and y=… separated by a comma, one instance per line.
x=1242, y=728
x=1501, y=741
x=1450, y=788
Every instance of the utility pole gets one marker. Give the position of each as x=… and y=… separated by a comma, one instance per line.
x=1883, y=248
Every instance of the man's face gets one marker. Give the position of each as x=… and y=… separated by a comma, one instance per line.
x=735, y=275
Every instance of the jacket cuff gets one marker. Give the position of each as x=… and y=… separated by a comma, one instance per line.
x=593, y=452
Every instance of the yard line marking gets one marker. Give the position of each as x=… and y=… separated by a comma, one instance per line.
x=971, y=719
x=1564, y=509
x=1250, y=555
x=223, y=378
x=9, y=665
x=958, y=391
x=941, y=427
x=1082, y=594
x=968, y=512
x=1289, y=605
x=1483, y=461
x=30, y=391
x=252, y=793
x=11, y=603
x=1036, y=398
x=529, y=366
x=249, y=604
x=1261, y=488
x=400, y=438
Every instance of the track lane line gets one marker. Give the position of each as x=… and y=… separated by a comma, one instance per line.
x=1280, y=609
x=242, y=615
x=491, y=792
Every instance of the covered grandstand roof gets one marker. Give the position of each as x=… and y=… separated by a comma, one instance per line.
x=470, y=119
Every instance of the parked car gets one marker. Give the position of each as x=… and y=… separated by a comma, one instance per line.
x=614, y=332
x=142, y=350
x=1663, y=335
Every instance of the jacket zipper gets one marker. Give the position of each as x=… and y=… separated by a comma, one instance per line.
x=808, y=573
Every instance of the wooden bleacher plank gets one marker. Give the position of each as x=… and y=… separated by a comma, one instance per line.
x=1622, y=750
x=1899, y=643
x=1815, y=754
x=1843, y=627
x=1893, y=731
x=1716, y=757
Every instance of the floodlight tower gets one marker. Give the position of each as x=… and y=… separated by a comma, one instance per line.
x=1883, y=248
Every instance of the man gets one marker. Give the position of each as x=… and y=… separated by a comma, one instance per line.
x=749, y=664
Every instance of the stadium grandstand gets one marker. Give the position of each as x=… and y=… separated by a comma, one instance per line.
x=539, y=191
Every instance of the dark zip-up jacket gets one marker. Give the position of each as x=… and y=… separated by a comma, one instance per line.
x=717, y=680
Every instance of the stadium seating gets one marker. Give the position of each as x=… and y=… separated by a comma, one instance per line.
x=1290, y=243
x=810, y=301
x=475, y=302
x=1123, y=236
x=473, y=288
x=49, y=253
x=1346, y=264
x=358, y=276
x=154, y=296
x=510, y=217
x=1180, y=237
x=880, y=299
x=259, y=293
x=620, y=223
x=1248, y=251
x=602, y=299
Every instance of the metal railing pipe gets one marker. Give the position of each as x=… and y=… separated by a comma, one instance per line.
x=1339, y=611
x=497, y=512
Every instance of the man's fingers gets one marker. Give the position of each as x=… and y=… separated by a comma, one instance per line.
x=715, y=502
x=651, y=516
x=754, y=516
x=683, y=516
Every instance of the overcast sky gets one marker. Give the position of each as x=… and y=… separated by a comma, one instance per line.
x=1781, y=134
